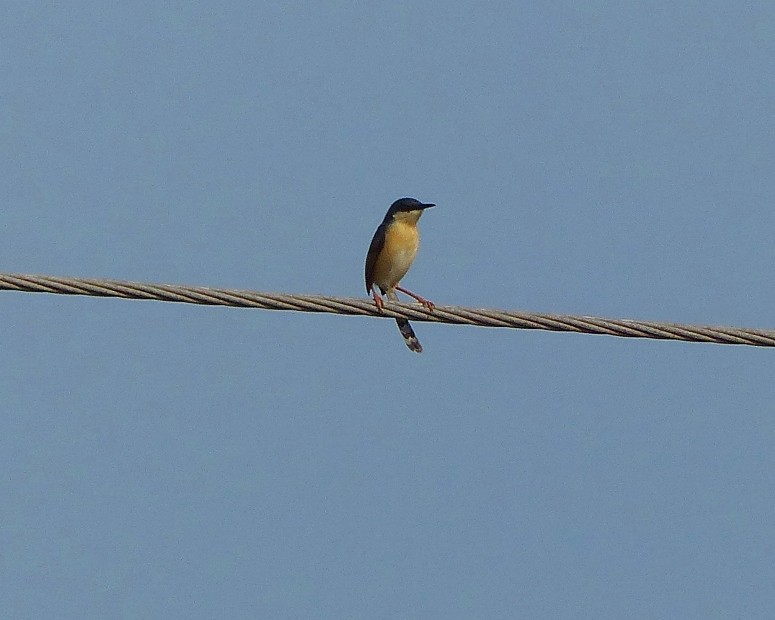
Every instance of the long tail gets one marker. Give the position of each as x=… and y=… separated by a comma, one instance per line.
x=409, y=337
x=403, y=326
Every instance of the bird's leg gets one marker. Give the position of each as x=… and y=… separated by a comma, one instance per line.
x=377, y=300
x=428, y=304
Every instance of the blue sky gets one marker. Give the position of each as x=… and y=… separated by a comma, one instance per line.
x=600, y=158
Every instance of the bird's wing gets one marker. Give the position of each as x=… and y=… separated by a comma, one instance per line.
x=377, y=243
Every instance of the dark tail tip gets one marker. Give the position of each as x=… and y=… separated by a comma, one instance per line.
x=409, y=336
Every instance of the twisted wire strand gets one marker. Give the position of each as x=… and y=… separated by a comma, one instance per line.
x=365, y=307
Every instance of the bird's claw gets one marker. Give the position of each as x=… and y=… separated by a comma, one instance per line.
x=426, y=303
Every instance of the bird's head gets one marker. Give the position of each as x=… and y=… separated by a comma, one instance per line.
x=407, y=209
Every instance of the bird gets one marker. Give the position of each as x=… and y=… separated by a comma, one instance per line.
x=391, y=252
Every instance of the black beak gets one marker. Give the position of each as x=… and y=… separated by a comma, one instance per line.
x=427, y=205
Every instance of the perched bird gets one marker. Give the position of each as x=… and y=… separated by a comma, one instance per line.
x=390, y=255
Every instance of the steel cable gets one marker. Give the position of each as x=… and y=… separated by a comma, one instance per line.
x=365, y=307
